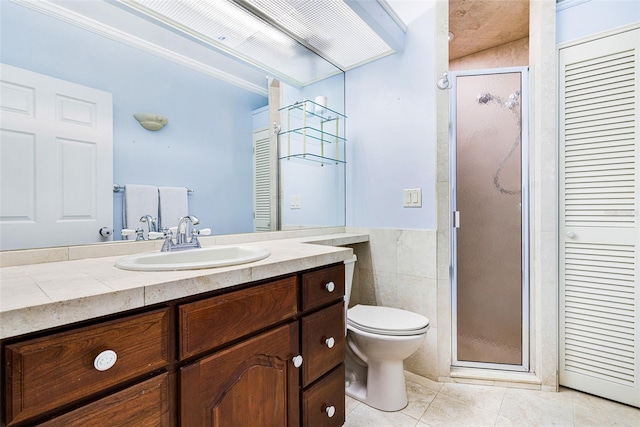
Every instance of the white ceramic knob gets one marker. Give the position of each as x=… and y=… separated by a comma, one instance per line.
x=153, y=235
x=297, y=361
x=330, y=342
x=330, y=286
x=330, y=410
x=571, y=234
x=128, y=232
x=204, y=232
x=105, y=360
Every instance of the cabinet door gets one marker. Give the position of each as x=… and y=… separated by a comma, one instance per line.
x=322, y=342
x=251, y=383
x=142, y=405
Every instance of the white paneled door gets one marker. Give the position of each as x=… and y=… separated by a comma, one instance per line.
x=599, y=235
x=56, y=161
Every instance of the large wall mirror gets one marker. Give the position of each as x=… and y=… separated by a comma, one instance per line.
x=207, y=146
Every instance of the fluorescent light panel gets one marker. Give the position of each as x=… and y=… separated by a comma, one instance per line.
x=329, y=27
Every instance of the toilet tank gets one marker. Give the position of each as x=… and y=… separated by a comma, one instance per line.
x=349, y=266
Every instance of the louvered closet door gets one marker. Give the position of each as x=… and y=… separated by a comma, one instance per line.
x=262, y=180
x=599, y=233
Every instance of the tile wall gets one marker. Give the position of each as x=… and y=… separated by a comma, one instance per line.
x=397, y=268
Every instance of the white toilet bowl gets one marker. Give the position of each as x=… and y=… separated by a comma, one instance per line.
x=378, y=341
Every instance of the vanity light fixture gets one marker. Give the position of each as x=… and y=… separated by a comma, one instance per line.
x=151, y=121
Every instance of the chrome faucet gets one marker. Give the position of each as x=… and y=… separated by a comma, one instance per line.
x=151, y=221
x=181, y=236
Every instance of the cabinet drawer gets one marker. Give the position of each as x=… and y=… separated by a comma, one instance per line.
x=322, y=342
x=45, y=373
x=317, y=289
x=324, y=399
x=142, y=405
x=215, y=321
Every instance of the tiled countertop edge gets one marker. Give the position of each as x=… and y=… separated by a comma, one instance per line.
x=288, y=256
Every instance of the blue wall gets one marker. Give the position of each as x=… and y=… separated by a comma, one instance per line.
x=207, y=145
x=321, y=189
x=581, y=18
x=392, y=131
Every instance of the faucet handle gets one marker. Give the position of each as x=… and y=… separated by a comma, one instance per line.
x=139, y=232
x=154, y=235
x=203, y=232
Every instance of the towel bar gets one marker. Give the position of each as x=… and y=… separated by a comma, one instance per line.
x=117, y=188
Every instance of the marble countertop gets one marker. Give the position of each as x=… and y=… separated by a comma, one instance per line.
x=40, y=296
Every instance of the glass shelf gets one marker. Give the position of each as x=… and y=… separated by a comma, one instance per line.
x=313, y=159
x=314, y=134
x=309, y=107
x=311, y=133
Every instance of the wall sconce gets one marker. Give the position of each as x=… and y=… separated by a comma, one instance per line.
x=151, y=121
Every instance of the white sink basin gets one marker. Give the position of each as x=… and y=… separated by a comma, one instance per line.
x=192, y=259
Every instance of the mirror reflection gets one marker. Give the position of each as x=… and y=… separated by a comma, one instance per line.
x=206, y=144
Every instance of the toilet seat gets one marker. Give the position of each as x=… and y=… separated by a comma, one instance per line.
x=386, y=320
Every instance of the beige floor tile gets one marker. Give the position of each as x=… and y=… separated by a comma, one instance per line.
x=366, y=416
x=463, y=410
x=536, y=408
x=593, y=411
x=420, y=397
x=481, y=396
x=350, y=404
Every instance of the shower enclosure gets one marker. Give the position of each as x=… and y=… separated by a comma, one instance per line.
x=490, y=221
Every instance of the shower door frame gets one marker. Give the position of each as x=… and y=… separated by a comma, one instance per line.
x=525, y=225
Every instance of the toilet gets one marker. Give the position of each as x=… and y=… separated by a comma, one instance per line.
x=378, y=340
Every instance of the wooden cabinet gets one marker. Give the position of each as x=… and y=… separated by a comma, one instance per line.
x=268, y=354
x=212, y=322
x=323, y=404
x=250, y=383
x=143, y=405
x=322, y=342
x=45, y=373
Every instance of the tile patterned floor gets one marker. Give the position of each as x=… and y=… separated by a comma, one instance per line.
x=433, y=404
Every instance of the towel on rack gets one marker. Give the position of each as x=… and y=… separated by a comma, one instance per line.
x=139, y=200
x=174, y=204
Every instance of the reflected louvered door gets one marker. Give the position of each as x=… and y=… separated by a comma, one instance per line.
x=262, y=180
x=599, y=233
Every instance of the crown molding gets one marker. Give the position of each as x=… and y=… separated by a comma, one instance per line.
x=48, y=8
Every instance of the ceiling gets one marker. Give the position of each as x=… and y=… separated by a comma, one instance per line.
x=478, y=25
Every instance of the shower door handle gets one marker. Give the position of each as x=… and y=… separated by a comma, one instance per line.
x=456, y=219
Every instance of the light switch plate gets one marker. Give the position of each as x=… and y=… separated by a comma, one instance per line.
x=412, y=197
x=295, y=202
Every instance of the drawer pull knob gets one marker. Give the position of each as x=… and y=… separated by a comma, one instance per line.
x=330, y=342
x=105, y=360
x=330, y=410
x=297, y=361
x=330, y=286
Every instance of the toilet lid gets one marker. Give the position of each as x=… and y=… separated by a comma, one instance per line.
x=386, y=320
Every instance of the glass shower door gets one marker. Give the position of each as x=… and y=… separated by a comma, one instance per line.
x=490, y=267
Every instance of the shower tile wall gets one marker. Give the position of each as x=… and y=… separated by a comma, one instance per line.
x=397, y=268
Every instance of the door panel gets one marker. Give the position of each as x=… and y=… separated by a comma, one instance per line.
x=490, y=318
x=599, y=236
x=57, y=161
x=251, y=382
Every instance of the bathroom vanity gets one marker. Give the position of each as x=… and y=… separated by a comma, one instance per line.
x=267, y=351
